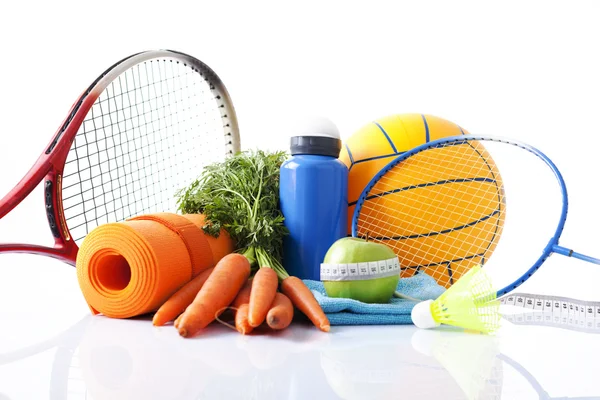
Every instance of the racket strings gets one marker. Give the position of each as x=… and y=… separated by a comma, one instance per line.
x=84, y=157
x=148, y=134
x=418, y=207
x=477, y=201
x=112, y=125
x=112, y=96
x=426, y=214
x=118, y=211
x=470, y=201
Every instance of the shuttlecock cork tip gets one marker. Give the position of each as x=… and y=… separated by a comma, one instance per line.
x=422, y=317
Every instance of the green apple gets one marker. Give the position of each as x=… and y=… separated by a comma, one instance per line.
x=355, y=250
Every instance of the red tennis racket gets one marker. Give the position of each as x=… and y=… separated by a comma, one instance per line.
x=142, y=130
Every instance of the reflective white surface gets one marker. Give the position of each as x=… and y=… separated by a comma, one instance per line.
x=52, y=348
x=524, y=70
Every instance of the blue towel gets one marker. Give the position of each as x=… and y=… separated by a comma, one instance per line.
x=342, y=311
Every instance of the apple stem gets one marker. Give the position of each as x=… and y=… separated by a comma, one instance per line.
x=405, y=297
x=367, y=238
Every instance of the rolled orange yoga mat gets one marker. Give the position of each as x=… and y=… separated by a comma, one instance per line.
x=131, y=268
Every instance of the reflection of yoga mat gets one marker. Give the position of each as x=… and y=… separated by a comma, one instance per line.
x=131, y=268
x=137, y=364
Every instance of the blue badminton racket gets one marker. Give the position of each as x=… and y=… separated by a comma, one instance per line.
x=452, y=203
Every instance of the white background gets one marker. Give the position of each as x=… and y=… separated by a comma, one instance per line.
x=527, y=70
x=524, y=69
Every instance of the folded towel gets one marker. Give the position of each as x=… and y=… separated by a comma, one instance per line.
x=342, y=311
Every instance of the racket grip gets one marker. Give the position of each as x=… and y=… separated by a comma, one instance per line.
x=570, y=253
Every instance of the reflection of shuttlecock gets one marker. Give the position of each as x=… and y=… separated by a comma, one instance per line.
x=470, y=304
x=471, y=360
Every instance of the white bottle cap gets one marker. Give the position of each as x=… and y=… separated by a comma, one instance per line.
x=421, y=315
x=316, y=125
x=315, y=136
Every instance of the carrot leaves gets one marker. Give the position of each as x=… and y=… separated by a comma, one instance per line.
x=241, y=195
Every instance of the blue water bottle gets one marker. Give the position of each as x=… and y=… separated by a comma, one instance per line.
x=313, y=198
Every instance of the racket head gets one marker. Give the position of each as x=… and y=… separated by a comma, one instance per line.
x=460, y=201
x=143, y=130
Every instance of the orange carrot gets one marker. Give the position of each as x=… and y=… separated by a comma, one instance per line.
x=281, y=312
x=219, y=290
x=241, y=320
x=243, y=296
x=262, y=295
x=176, y=323
x=179, y=301
x=303, y=299
x=241, y=314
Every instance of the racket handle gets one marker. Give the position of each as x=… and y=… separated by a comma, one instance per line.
x=570, y=253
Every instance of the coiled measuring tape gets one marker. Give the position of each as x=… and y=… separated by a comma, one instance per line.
x=360, y=271
x=561, y=312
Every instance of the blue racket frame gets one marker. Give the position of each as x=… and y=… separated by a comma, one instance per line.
x=551, y=247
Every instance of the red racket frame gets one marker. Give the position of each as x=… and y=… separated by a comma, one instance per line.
x=50, y=165
x=49, y=168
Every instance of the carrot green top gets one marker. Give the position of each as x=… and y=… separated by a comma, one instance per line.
x=241, y=195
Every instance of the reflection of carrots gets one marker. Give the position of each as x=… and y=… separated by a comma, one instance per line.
x=221, y=355
x=179, y=301
x=219, y=290
x=281, y=312
x=265, y=358
x=303, y=299
x=262, y=295
x=241, y=313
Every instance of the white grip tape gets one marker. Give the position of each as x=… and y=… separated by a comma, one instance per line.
x=360, y=271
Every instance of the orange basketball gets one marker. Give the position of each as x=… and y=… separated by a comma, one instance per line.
x=377, y=143
x=423, y=218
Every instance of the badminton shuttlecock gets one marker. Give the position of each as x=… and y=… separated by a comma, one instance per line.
x=470, y=304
